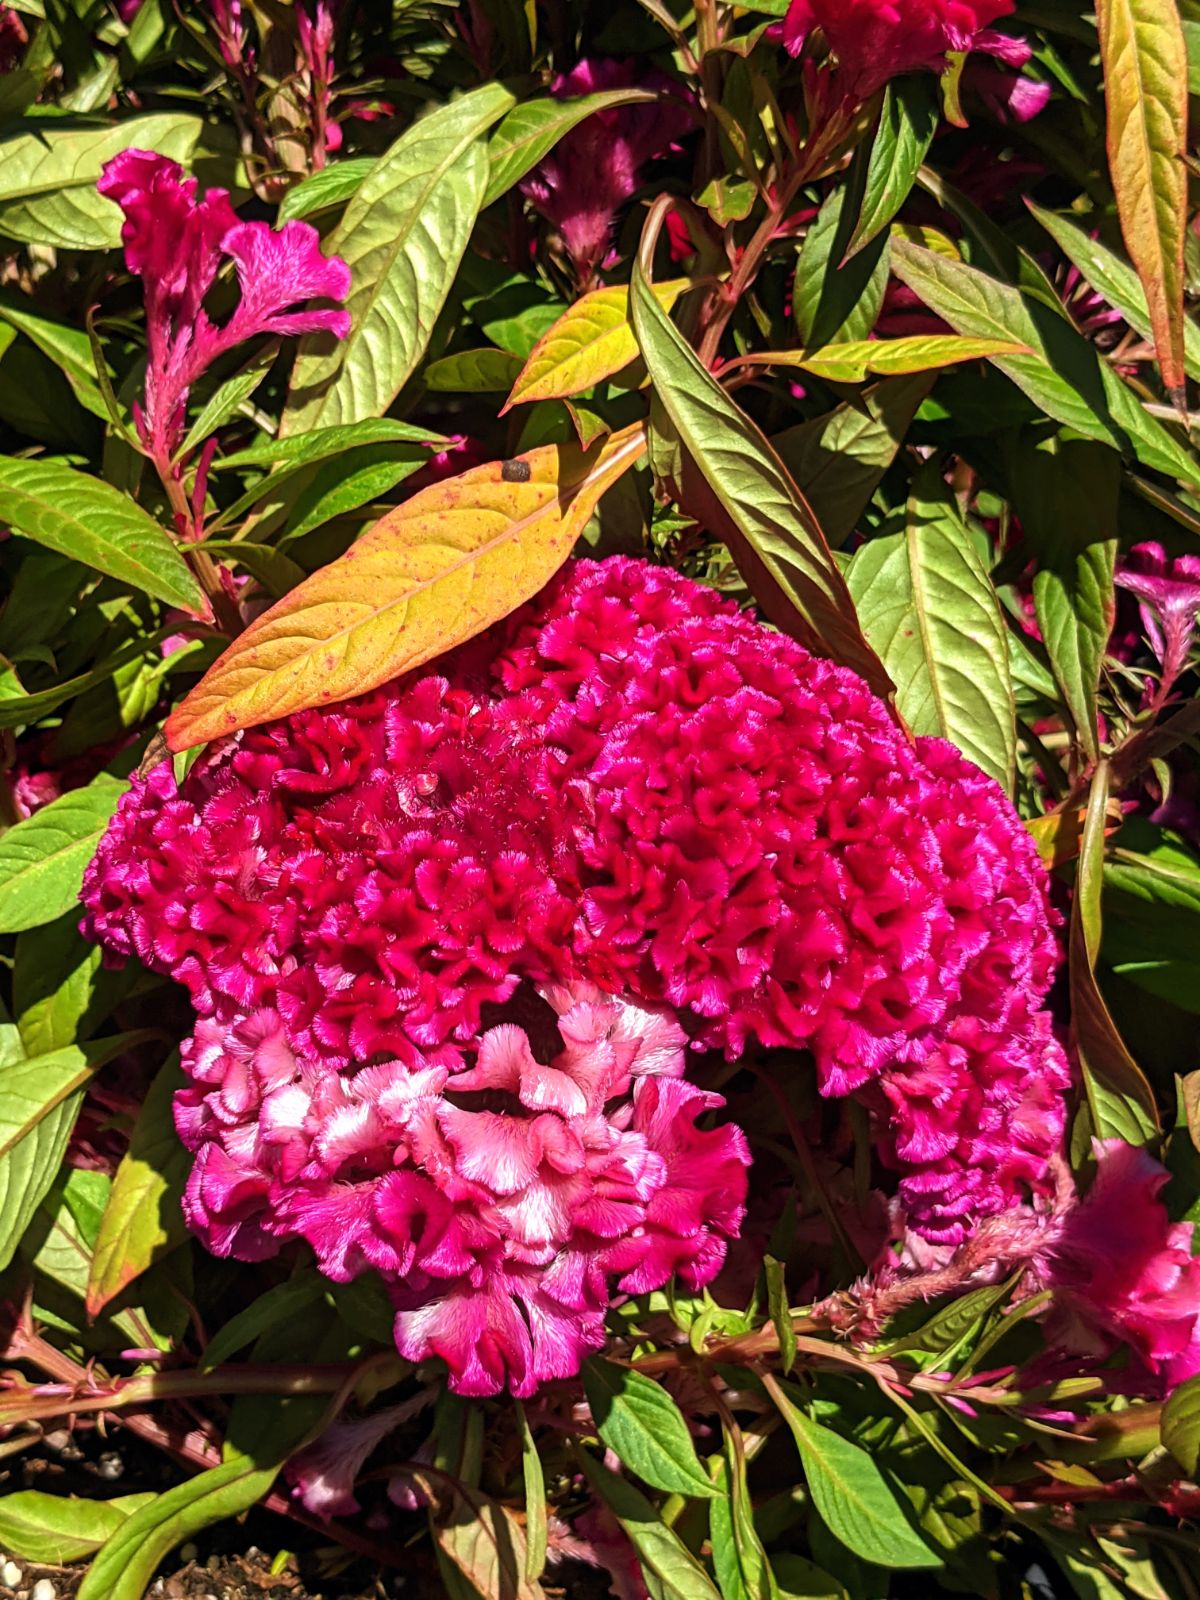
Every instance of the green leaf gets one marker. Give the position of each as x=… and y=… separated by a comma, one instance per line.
x=42, y=859
x=275, y=1307
x=87, y=519
x=58, y=984
x=1066, y=494
x=143, y=1220
x=833, y=298
x=1145, y=81
x=1113, y=278
x=54, y=1529
x=49, y=170
x=1064, y=376
x=40, y=1098
x=403, y=236
x=856, y=359
x=907, y=123
x=322, y=443
x=324, y=190
x=1120, y=1100
x=927, y=606
x=665, y=1558
x=739, y=1560
x=945, y=1331
x=747, y=496
x=638, y=1420
x=536, y=1520
x=353, y=479
x=1181, y=1425
x=128, y=1560
x=531, y=130
x=852, y=1495
x=839, y=460
x=228, y=398
x=69, y=348
x=484, y=371
x=780, y=1311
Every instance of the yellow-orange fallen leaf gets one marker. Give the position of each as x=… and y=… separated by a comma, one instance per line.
x=430, y=575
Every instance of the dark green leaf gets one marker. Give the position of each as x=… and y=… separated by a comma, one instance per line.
x=907, y=124
x=851, y=1493
x=42, y=859
x=741, y=484
x=53, y=1529
x=835, y=299
x=927, y=606
x=638, y=1420
x=666, y=1559
x=90, y=521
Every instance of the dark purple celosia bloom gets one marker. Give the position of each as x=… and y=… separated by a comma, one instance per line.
x=177, y=243
x=594, y=169
x=13, y=38
x=628, y=785
x=877, y=40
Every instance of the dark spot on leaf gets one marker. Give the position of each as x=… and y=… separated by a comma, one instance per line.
x=516, y=472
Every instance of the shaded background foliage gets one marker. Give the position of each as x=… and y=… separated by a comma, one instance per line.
x=958, y=309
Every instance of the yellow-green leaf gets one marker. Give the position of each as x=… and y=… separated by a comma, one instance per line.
x=1145, y=79
x=1120, y=1099
x=589, y=342
x=143, y=1220
x=433, y=573
x=888, y=358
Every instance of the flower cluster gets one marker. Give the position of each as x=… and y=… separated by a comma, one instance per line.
x=177, y=244
x=640, y=804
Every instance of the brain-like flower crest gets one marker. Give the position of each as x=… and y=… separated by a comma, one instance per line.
x=448, y=943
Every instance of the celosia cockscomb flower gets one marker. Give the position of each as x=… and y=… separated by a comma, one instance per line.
x=630, y=787
x=876, y=40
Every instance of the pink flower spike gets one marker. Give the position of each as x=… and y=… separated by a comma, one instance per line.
x=177, y=243
x=876, y=40
x=322, y=1476
x=1168, y=594
x=1124, y=1273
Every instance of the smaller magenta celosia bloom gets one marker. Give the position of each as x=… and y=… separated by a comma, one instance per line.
x=177, y=243
x=1167, y=589
x=1123, y=1273
x=876, y=40
x=596, y=167
x=668, y=822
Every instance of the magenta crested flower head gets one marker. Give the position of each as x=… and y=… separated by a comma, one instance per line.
x=876, y=40
x=177, y=244
x=449, y=942
x=595, y=168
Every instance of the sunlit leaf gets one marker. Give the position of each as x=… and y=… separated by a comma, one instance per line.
x=442, y=567
x=1145, y=81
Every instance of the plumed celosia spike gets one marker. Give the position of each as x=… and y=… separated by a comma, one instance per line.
x=876, y=40
x=1123, y=1273
x=596, y=167
x=177, y=244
